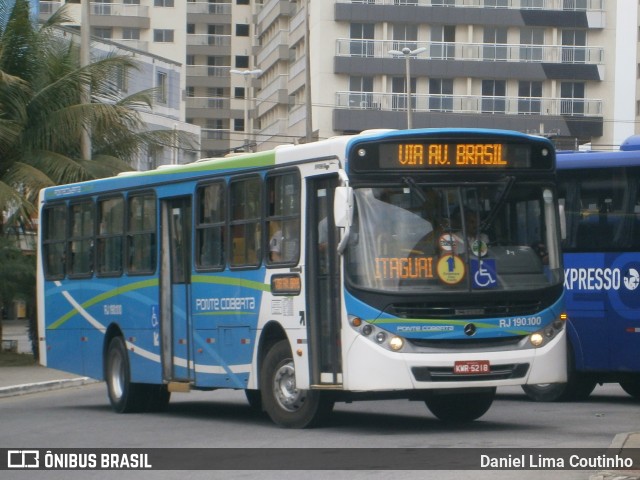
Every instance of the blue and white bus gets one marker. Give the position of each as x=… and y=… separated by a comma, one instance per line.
x=390, y=264
x=599, y=198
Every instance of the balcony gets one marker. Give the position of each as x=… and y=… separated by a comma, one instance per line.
x=560, y=5
x=119, y=9
x=206, y=8
x=208, y=71
x=204, y=39
x=470, y=104
x=476, y=52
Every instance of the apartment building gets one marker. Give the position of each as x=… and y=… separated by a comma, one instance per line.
x=262, y=73
x=127, y=28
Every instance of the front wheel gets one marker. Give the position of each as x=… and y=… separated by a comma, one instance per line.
x=287, y=405
x=460, y=407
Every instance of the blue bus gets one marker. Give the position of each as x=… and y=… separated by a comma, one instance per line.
x=389, y=264
x=599, y=198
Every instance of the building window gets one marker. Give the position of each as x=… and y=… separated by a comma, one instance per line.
x=191, y=28
x=131, y=2
x=360, y=34
x=529, y=97
x=130, y=33
x=161, y=88
x=405, y=36
x=443, y=39
x=573, y=46
x=441, y=94
x=163, y=3
x=572, y=95
x=361, y=92
x=495, y=48
x=163, y=36
x=493, y=96
x=242, y=61
x=238, y=92
x=238, y=124
x=242, y=30
x=242, y=2
x=100, y=32
x=532, y=41
x=399, y=88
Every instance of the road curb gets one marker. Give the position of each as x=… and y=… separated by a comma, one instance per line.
x=618, y=443
x=44, y=386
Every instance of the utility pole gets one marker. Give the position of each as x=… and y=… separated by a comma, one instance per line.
x=408, y=53
x=85, y=60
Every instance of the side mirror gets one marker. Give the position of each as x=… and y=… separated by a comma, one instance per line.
x=343, y=207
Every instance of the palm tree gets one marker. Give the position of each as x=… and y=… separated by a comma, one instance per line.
x=43, y=117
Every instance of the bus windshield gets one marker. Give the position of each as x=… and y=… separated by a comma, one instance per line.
x=424, y=238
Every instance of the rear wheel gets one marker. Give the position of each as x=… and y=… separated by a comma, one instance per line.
x=287, y=405
x=632, y=387
x=125, y=397
x=460, y=407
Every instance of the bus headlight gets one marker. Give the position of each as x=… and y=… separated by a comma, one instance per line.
x=379, y=336
x=545, y=335
x=536, y=339
x=396, y=343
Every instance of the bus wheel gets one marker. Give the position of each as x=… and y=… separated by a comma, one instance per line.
x=578, y=388
x=460, y=407
x=125, y=397
x=284, y=403
x=632, y=387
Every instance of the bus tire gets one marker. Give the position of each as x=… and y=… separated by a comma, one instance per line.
x=124, y=396
x=632, y=387
x=460, y=407
x=286, y=405
x=578, y=388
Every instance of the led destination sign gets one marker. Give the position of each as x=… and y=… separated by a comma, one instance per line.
x=450, y=155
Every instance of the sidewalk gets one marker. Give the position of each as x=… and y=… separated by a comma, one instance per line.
x=35, y=378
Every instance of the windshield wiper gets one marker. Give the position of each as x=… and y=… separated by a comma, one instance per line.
x=501, y=200
x=414, y=188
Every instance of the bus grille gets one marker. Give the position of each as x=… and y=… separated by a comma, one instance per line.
x=459, y=310
x=445, y=374
x=467, y=343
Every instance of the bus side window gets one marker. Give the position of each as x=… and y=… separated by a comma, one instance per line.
x=283, y=218
x=80, y=248
x=109, y=238
x=210, y=226
x=54, y=240
x=245, y=222
x=141, y=234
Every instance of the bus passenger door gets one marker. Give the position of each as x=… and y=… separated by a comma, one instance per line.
x=323, y=283
x=175, y=282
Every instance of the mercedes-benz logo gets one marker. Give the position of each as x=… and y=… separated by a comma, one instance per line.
x=470, y=329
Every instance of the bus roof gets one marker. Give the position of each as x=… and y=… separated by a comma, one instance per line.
x=566, y=160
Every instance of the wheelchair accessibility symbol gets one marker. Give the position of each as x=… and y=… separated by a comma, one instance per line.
x=484, y=273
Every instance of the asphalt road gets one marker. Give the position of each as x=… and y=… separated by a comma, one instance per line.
x=81, y=418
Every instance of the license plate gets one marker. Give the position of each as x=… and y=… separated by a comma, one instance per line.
x=471, y=367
